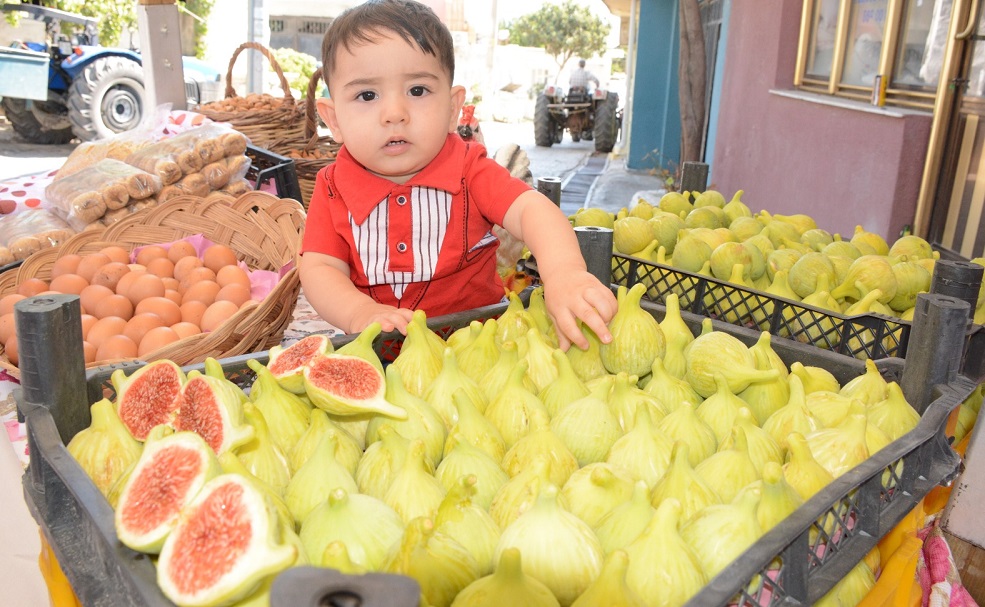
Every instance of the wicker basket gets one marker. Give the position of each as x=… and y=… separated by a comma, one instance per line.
x=310, y=152
x=262, y=126
x=263, y=230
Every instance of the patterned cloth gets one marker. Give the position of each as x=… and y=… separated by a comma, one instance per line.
x=581, y=77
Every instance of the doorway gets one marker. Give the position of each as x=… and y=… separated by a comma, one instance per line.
x=957, y=223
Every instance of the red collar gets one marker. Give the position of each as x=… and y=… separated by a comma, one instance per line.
x=362, y=191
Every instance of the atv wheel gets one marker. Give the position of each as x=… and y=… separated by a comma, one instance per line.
x=41, y=123
x=543, y=123
x=106, y=98
x=606, y=125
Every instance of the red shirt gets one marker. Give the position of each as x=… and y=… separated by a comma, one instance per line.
x=425, y=244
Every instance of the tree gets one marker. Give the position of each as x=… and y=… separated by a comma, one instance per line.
x=117, y=15
x=564, y=31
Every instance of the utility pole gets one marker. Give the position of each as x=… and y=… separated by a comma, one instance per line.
x=160, y=47
x=257, y=31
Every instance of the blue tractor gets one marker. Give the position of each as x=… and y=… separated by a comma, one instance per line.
x=70, y=87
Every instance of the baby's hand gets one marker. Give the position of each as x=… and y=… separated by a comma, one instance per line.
x=579, y=295
x=390, y=318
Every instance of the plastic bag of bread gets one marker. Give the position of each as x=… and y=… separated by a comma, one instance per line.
x=108, y=185
x=177, y=157
x=29, y=231
x=117, y=147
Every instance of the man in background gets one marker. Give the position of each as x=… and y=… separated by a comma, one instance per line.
x=581, y=77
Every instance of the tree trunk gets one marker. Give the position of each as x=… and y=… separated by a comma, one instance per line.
x=692, y=81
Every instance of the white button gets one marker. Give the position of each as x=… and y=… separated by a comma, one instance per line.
x=401, y=247
x=401, y=200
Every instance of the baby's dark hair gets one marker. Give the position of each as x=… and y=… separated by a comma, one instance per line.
x=414, y=22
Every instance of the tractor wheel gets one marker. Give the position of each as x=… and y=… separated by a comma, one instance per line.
x=606, y=125
x=106, y=98
x=43, y=122
x=543, y=123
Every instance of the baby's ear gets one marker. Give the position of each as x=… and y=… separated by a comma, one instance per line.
x=457, y=101
x=326, y=111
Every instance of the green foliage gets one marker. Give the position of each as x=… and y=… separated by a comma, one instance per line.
x=200, y=10
x=564, y=31
x=116, y=15
x=297, y=66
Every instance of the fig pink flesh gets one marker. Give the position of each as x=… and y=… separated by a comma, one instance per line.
x=160, y=489
x=352, y=378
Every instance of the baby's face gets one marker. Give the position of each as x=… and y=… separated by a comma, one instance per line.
x=392, y=106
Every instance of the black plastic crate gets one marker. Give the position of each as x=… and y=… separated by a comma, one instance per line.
x=863, y=336
x=848, y=517
x=268, y=167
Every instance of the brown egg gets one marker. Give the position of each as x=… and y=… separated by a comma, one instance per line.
x=105, y=328
x=140, y=324
x=123, y=287
x=31, y=287
x=116, y=253
x=88, y=352
x=162, y=267
x=10, y=349
x=173, y=295
x=148, y=253
x=168, y=310
x=204, y=291
x=147, y=285
x=110, y=274
x=116, y=347
x=236, y=293
x=216, y=314
x=91, y=295
x=185, y=265
x=217, y=256
x=232, y=274
x=195, y=276
x=87, y=321
x=70, y=284
x=90, y=264
x=114, y=305
x=7, y=302
x=170, y=283
x=181, y=249
x=185, y=329
x=157, y=339
x=6, y=327
x=66, y=264
x=192, y=311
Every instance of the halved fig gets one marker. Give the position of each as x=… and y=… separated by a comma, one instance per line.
x=225, y=545
x=348, y=385
x=170, y=472
x=148, y=397
x=213, y=408
x=287, y=364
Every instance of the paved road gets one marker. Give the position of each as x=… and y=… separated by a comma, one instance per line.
x=20, y=158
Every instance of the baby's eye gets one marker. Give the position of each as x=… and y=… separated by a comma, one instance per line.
x=366, y=96
x=418, y=91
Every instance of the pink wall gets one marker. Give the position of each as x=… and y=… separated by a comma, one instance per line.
x=842, y=166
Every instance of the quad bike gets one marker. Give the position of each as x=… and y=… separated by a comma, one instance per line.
x=585, y=115
x=93, y=91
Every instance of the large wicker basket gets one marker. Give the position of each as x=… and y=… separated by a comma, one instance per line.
x=280, y=118
x=263, y=230
x=310, y=151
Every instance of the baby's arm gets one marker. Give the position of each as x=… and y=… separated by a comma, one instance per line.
x=330, y=292
x=570, y=292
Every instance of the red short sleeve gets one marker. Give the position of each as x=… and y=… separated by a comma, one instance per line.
x=321, y=229
x=492, y=187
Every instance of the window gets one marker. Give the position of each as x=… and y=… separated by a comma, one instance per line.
x=846, y=46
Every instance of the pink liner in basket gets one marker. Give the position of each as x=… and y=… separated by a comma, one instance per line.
x=262, y=282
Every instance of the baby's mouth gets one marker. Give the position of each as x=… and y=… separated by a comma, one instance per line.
x=395, y=142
